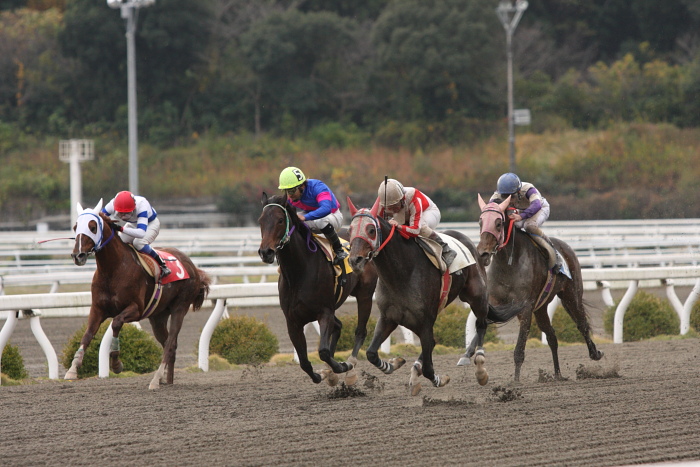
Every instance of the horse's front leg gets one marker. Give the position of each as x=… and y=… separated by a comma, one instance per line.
x=427, y=342
x=296, y=335
x=130, y=314
x=330, y=332
x=381, y=333
x=94, y=320
x=546, y=327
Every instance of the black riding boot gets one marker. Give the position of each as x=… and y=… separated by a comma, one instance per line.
x=448, y=255
x=164, y=270
x=332, y=236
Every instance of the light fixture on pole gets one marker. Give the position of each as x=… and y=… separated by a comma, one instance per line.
x=129, y=9
x=510, y=12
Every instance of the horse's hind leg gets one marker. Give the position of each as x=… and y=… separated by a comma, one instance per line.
x=381, y=333
x=519, y=353
x=159, y=325
x=573, y=304
x=546, y=327
x=94, y=320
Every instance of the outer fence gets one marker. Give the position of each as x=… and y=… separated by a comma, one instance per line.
x=266, y=293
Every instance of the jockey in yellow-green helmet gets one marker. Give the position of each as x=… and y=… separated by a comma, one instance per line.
x=316, y=205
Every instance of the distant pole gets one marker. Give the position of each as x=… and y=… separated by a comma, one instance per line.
x=510, y=13
x=128, y=12
x=75, y=151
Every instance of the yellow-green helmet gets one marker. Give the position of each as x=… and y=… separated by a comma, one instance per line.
x=291, y=177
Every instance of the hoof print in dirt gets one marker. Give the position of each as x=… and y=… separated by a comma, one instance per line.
x=597, y=372
x=549, y=378
x=372, y=382
x=344, y=392
x=430, y=402
x=504, y=394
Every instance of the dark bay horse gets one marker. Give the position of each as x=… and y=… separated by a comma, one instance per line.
x=410, y=292
x=124, y=291
x=518, y=271
x=307, y=288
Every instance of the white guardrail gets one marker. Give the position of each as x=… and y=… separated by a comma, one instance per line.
x=242, y=295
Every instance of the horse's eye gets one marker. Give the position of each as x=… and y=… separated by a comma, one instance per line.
x=93, y=227
x=280, y=221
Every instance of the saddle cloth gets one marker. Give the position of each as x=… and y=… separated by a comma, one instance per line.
x=325, y=245
x=433, y=251
x=178, y=272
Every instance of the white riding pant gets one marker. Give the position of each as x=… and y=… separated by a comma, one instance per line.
x=151, y=233
x=430, y=219
x=537, y=220
x=335, y=219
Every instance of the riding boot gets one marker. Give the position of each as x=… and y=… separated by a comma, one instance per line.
x=544, y=242
x=332, y=236
x=164, y=270
x=448, y=254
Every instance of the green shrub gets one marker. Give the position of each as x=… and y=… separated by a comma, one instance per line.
x=647, y=316
x=12, y=363
x=564, y=327
x=449, y=329
x=346, y=341
x=243, y=339
x=139, y=351
x=695, y=317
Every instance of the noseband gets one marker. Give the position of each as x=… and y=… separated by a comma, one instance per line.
x=376, y=245
x=97, y=242
x=287, y=232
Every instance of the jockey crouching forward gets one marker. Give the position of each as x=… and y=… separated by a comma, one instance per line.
x=532, y=211
x=413, y=214
x=142, y=224
x=317, y=206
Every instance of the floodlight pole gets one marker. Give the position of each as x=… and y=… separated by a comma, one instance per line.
x=129, y=13
x=510, y=13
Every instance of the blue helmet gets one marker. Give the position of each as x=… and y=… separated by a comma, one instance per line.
x=508, y=184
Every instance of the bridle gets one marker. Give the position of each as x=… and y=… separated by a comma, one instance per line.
x=287, y=231
x=376, y=244
x=488, y=213
x=97, y=241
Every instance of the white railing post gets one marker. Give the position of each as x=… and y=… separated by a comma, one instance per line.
x=207, y=332
x=621, y=309
x=688, y=307
x=44, y=343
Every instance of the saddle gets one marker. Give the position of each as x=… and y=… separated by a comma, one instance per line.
x=433, y=251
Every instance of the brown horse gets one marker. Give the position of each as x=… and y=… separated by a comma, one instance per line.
x=121, y=289
x=411, y=291
x=307, y=288
x=518, y=271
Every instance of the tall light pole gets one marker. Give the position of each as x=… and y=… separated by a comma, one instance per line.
x=510, y=12
x=129, y=13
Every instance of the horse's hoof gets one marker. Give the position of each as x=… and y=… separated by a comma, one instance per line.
x=443, y=381
x=154, y=385
x=352, y=361
x=351, y=378
x=397, y=362
x=330, y=377
x=482, y=376
x=464, y=361
x=117, y=367
x=71, y=375
x=415, y=389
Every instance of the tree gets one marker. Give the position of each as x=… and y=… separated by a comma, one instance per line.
x=436, y=58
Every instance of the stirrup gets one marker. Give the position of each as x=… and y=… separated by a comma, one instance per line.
x=339, y=256
x=164, y=271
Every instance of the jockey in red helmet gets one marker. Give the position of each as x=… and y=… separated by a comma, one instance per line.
x=142, y=224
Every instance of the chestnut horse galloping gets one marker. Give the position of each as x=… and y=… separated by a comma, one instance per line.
x=307, y=288
x=124, y=291
x=518, y=271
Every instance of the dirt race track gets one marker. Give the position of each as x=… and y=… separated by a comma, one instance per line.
x=644, y=408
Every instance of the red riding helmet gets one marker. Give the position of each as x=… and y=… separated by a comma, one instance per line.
x=124, y=202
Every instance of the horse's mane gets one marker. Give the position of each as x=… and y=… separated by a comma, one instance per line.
x=291, y=211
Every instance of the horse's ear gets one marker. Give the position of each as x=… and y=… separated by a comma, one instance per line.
x=481, y=202
x=504, y=204
x=98, y=207
x=79, y=208
x=352, y=207
x=263, y=199
x=375, y=207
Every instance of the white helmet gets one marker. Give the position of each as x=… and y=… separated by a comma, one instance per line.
x=390, y=194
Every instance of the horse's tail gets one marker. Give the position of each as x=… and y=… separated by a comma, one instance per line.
x=205, y=282
x=503, y=313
